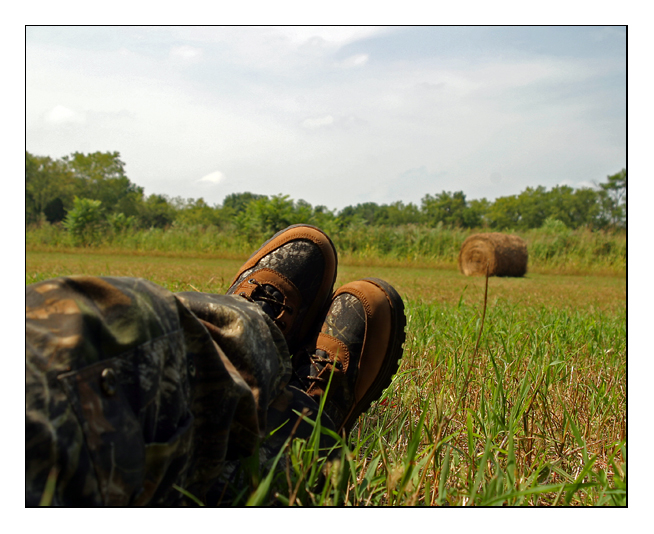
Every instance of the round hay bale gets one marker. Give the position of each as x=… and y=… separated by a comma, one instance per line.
x=505, y=255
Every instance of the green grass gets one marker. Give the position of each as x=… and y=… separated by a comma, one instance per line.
x=535, y=414
x=536, y=417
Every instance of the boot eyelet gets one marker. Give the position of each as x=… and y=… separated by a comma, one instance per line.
x=241, y=294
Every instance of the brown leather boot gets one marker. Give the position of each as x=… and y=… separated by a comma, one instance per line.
x=291, y=277
x=359, y=344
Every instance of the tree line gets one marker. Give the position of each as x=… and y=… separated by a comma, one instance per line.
x=88, y=193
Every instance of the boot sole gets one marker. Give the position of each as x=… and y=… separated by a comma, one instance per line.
x=392, y=357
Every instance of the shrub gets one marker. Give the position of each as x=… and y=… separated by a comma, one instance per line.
x=84, y=221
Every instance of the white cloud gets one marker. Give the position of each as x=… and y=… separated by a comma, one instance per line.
x=357, y=60
x=278, y=49
x=333, y=35
x=62, y=115
x=318, y=122
x=213, y=177
x=185, y=52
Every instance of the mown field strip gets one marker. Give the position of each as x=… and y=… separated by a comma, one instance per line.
x=580, y=292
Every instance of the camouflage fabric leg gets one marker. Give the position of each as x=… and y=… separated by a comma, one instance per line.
x=131, y=389
x=278, y=404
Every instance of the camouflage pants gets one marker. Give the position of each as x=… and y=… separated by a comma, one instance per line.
x=131, y=389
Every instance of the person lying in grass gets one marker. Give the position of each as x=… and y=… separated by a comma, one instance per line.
x=138, y=396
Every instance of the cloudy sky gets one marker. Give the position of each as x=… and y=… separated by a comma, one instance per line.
x=334, y=115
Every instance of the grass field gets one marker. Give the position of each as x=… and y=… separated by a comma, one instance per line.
x=532, y=412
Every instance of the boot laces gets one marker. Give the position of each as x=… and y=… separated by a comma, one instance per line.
x=318, y=360
x=263, y=294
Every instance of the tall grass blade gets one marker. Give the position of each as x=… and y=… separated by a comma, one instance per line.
x=189, y=495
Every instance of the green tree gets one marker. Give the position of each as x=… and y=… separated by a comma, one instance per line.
x=54, y=210
x=504, y=213
x=85, y=220
x=613, y=201
x=529, y=209
x=302, y=211
x=326, y=219
x=397, y=213
x=366, y=213
x=266, y=216
x=475, y=215
x=585, y=207
x=101, y=176
x=198, y=213
x=46, y=180
x=573, y=207
x=446, y=207
x=237, y=203
x=119, y=223
x=534, y=207
x=156, y=212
